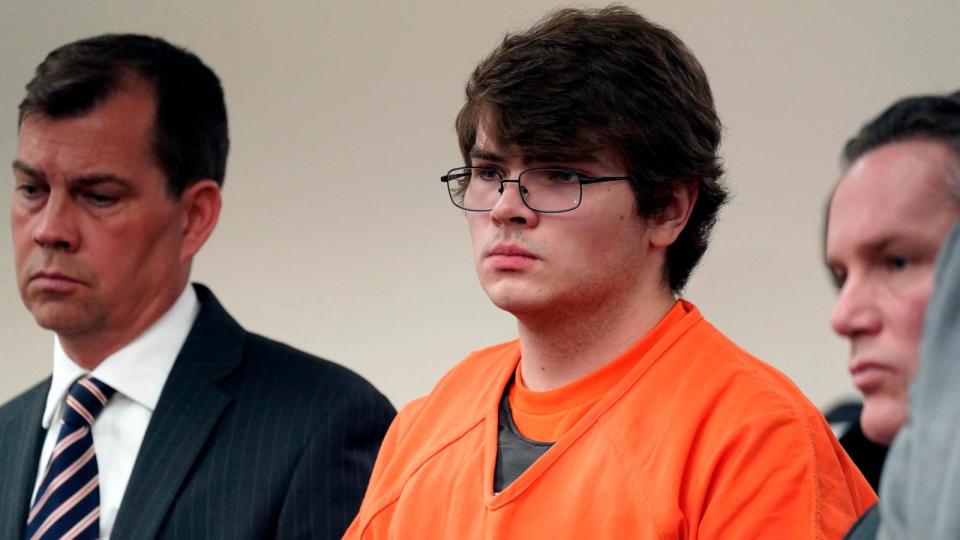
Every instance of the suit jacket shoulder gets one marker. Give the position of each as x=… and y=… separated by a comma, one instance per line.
x=26, y=402
x=252, y=438
x=299, y=375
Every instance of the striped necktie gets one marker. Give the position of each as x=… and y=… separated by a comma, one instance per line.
x=68, y=500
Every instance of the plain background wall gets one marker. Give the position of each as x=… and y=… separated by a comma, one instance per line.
x=337, y=236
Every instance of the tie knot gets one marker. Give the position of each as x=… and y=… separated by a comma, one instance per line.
x=86, y=399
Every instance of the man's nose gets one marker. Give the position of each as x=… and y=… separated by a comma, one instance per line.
x=855, y=312
x=55, y=226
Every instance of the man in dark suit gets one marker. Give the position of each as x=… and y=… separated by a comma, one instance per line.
x=889, y=214
x=163, y=417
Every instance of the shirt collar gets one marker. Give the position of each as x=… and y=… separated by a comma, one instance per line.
x=140, y=369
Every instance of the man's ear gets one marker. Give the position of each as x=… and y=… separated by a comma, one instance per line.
x=200, y=206
x=666, y=225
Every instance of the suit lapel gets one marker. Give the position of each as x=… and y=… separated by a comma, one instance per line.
x=186, y=414
x=21, y=438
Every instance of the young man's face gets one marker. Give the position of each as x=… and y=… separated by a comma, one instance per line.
x=541, y=263
x=888, y=217
x=97, y=238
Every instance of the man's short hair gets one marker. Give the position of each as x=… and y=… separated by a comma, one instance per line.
x=931, y=117
x=190, y=131
x=584, y=80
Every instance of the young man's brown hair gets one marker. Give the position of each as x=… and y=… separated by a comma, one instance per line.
x=560, y=94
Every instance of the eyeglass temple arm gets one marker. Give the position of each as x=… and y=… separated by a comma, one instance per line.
x=452, y=177
x=598, y=179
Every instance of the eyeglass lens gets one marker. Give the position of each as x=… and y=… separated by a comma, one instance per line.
x=543, y=190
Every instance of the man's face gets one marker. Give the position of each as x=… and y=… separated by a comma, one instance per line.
x=531, y=262
x=97, y=238
x=888, y=217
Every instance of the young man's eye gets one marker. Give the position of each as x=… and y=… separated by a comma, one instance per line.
x=562, y=176
x=486, y=173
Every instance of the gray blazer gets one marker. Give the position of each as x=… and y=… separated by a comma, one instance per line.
x=250, y=439
x=920, y=487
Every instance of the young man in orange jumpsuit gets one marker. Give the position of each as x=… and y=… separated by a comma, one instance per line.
x=591, y=184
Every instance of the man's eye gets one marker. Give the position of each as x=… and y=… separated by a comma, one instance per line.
x=99, y=199
x=838, y=277
x=30, y=191
x=897, y=262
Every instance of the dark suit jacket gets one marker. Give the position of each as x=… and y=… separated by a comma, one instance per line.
x=250, y=439
x=866, y=527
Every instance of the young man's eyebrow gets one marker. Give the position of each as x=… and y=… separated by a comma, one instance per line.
x=561, y=158
x=486, y=155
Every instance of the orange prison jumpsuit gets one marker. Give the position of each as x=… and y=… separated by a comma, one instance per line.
x=698, y=440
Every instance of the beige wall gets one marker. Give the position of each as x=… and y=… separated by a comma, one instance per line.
x=319, y=248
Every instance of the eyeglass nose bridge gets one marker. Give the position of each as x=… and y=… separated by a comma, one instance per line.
x=521, y=187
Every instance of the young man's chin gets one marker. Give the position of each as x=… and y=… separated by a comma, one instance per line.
x=515, y=299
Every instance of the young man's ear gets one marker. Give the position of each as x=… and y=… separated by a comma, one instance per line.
x=666, y=225
x=200, y=204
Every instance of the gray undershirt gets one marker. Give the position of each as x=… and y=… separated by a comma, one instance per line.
x=515, y=453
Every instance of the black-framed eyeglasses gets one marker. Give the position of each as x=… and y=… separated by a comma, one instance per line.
x=546, y=190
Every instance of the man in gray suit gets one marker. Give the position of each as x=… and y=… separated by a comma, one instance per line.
x=163, y=417
x=889, y=214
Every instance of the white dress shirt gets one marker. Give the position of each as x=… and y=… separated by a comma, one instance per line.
x=137, y=372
